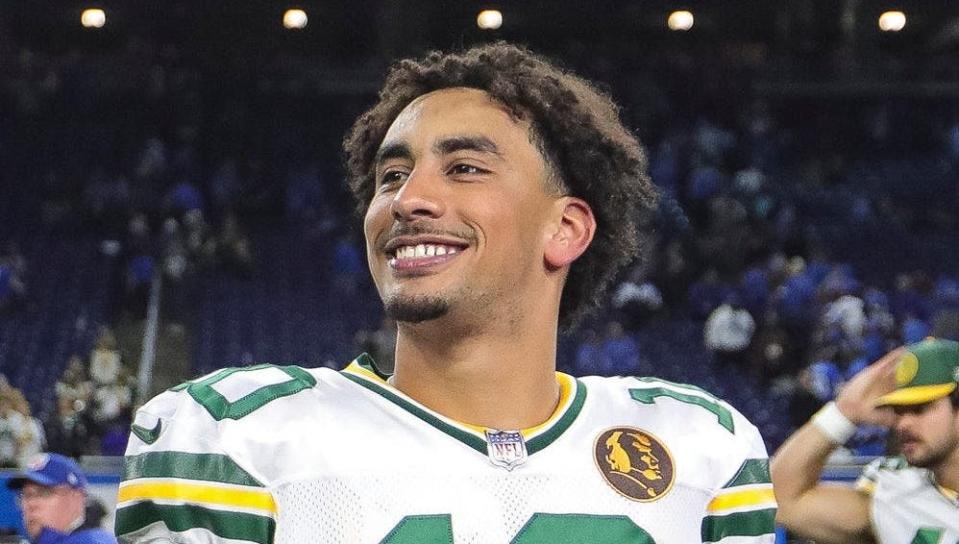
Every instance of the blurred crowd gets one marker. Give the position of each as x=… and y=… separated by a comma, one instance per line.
x=788, y=260
x=94, y=399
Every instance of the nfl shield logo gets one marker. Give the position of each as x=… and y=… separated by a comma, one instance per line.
x=505, y=449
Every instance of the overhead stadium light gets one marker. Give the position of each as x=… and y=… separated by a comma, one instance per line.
x=892, y=21
x=680, y=20
x=93, y=18
x=489, y=19
x=295, y=19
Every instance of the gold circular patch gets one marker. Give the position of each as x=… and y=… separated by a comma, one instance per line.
x=906, y=368
x=635, y=463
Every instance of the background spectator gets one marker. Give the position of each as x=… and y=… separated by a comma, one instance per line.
x=729, y=332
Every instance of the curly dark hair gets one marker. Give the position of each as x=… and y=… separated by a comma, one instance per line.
x=576, y=127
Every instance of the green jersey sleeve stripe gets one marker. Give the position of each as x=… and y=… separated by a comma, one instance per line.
x=752, y=471
x=754, y=523
x=207, y=467
x=178, y=518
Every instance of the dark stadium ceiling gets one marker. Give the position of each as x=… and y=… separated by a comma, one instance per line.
x=366, y=33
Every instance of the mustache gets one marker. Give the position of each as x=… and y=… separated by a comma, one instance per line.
x=420, y=229
x=907, y=437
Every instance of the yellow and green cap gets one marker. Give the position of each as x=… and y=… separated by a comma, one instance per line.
x=926, y=371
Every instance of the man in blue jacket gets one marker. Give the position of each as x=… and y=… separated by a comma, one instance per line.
x=52, y=494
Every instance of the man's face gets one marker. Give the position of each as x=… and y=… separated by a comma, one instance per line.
x=459, y=214
x=56, y=507
x=928, y=433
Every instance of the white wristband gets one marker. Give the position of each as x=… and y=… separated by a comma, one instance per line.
x=834, y=424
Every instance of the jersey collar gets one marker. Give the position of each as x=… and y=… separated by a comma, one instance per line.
x=950, y=494
x=363, y=372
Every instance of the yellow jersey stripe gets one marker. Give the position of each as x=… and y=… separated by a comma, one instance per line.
x=948, y=493
x=355, y=369
x=567, y=385
x=739, y=499
x=866, y=486
x=197, y=493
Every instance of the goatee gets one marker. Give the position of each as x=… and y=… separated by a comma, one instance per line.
x=415, y=309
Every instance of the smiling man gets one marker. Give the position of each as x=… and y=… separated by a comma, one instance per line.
x=500, y=196
x=912, y=498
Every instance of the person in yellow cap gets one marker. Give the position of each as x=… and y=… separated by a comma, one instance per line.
x=909, y=499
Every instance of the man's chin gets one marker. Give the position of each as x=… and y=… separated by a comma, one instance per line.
x=415, y=309
x=922, y=458
x=911, y=452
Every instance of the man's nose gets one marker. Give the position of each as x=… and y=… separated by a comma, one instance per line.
x=904, y=421
x=420, y=197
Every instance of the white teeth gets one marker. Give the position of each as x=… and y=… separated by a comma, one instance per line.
x=424, y=250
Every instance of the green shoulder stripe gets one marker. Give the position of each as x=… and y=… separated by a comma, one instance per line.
x=207, y=467
x=178, y=518
x=755, y=523
x=752, y=471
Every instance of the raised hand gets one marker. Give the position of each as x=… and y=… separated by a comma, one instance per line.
x=857, y=398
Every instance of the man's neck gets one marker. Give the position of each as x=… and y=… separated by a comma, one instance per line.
x=500, y=381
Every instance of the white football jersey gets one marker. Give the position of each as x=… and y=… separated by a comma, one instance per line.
x=907, y=506
x=290, y=455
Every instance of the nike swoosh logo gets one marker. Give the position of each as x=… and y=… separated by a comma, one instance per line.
x=147, y=435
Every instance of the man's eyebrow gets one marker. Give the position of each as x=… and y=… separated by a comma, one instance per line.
x=398, y=150
x=469, y=143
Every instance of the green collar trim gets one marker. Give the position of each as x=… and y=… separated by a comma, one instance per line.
x=537, y=440
x=365, y=360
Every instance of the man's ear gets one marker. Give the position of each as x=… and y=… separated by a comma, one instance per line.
x=571, y=235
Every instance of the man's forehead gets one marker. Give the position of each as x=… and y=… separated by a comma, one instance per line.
x=462, y=95
x=452, y=112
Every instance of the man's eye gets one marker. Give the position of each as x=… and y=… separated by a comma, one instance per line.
x=391, y=177
x=466, y=169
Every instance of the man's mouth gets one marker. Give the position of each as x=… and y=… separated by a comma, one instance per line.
x=908, y=442
x=411, y=257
